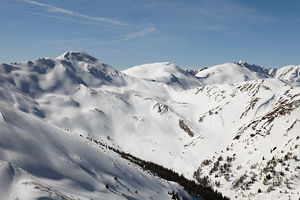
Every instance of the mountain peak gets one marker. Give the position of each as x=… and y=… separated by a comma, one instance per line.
x=77, y=55
x=241, y=62
x=256, y=68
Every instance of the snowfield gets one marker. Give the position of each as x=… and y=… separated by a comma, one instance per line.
x=42, y=161
x=235, y=126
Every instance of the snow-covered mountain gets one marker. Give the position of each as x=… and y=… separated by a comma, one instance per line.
x=230, y=73
x=54, y=112
x=258, y=69
x=164, y=72
x=289, y=74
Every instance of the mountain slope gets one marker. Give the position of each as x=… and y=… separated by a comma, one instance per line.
x=229, y=73
x=49, y=162
x=60, y=74
x=258, y=69
x=262, y=159
x=237, y=72
x=43, y=145
x=289, y=74
x=164, y=72
x=157, y=112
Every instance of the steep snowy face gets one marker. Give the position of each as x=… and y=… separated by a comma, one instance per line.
x=229, y=73
x=80, y=61
x=92, y=72
x=41, y=161
x=164, y=72
x=62, y=74
x=258, y=69
x=289, y=74
x=262, y=160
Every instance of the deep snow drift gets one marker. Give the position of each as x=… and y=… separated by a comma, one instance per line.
x=245, y=114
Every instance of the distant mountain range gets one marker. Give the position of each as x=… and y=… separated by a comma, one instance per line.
x=66, y=124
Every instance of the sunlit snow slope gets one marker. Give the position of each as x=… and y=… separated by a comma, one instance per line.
x=40, y=161
x=164, y=72
x=158, y=112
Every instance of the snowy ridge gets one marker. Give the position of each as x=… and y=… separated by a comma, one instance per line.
x=157, y=112
x=236, y=72
x=258, y=69
x=229, y=73
x=164, y=72
x=289, y=74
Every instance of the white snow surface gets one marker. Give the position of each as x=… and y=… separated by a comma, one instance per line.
x=290, y=74
x=157, y=112
x=40, y=161
x=164, y=72
x=228, y=73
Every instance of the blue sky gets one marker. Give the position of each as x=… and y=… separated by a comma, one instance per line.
x=124, y=33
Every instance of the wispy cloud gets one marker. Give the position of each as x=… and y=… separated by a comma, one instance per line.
x=140, y=33
x=62, y=18
x=103, y=41
x=55, y=9
x=211, y=15
x=230, y=11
